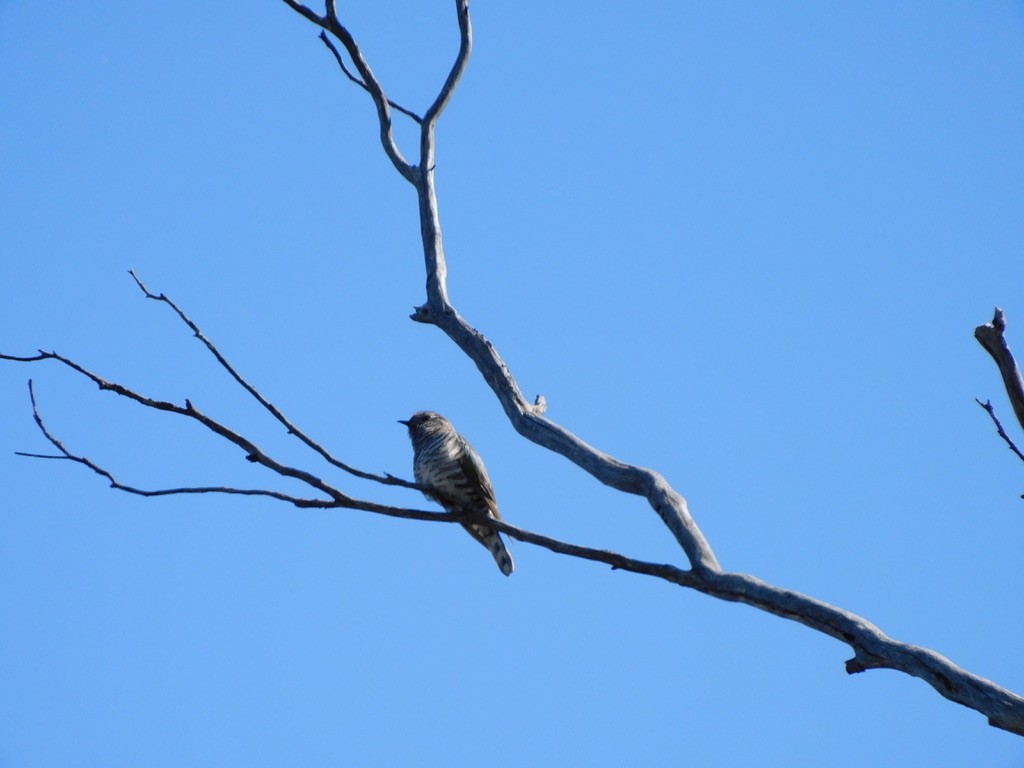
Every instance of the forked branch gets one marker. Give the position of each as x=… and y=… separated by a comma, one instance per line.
x=65, y=454
x=345, y=70
x=872, y=649
x=270, y=407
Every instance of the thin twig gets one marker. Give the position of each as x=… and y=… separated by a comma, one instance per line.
x=331, y=23
x=114, y=483
x=987, y=405
x=341, y=63
x=385, y=479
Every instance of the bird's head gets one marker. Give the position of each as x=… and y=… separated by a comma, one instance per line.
x=426, y=422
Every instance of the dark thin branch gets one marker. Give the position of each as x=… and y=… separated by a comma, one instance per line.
x=991, y=337
x=987, y=405
x=385, y=479
x=330, y=23
x=65, y=454
x=337, y=499
x=252, y=452
x=341, y=63
x=320, y=21
x=119, y=486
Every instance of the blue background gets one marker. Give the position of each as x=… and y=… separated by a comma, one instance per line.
x=745, y=244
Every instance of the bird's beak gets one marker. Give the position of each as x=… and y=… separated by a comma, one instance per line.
x=401, y=421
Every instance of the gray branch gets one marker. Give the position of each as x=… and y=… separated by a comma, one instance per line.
x=991, y=337
x=341, y=63
x=872, y=648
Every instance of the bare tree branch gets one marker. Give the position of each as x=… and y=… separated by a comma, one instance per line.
x=527, y=418
x=66, y=454
x=872, y=648
x=991, y=337
x=336, y=498
x=320, y=21
x=274, y=411
x=252, y=452
x=457, y=70
x=330, y=23
x=341, y=63
x=987, y=405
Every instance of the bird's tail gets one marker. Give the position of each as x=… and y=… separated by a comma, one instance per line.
x=495, y=545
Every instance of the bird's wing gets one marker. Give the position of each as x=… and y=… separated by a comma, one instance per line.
x=473, y=467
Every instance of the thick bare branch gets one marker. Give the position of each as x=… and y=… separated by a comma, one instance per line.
x=526, y=417
x=991, y=337
x=457, y=70
x=430, y=223
x=872, y=648
x=529, y=421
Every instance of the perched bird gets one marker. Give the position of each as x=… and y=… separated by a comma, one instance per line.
x=444, y=459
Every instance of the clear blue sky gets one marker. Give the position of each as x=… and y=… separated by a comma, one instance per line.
x=745, y=244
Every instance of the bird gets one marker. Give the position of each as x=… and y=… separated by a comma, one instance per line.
x=444, y=459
